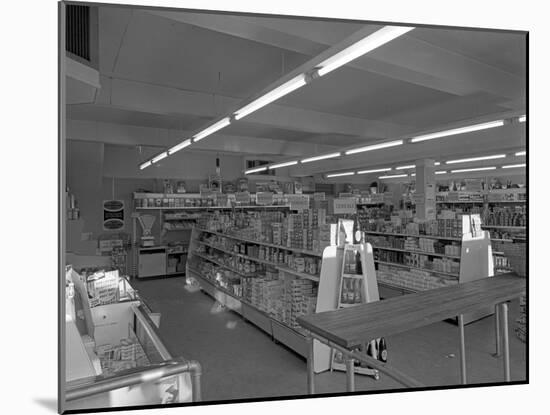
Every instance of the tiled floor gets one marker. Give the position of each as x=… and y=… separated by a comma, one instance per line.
x=240, y=361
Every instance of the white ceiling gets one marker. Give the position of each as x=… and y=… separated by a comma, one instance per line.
x=178, y=70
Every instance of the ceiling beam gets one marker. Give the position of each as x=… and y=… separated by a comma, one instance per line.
x=145, y=97
x=411, y=60
x=126, y=135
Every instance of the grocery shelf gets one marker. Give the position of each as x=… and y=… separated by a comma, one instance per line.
x=448, y=238
x=279, y=330
x=286, y=248
x=396, y=287
x=416, y=252
x=211, y=207
x=503, y=227
x=413, y=267
x=263, y=261
x=206, y=257
x=298, y=273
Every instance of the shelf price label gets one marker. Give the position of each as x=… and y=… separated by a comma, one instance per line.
x=264, y=198
x=298, y=202
x=343, y=205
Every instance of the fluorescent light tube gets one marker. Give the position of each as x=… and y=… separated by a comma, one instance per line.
x=461, y=130
x=285, y=164
x=317, y=158
x=256, y=170
x=496, y=156
x=375, y=147
x=475, y=169
x=159, y=157
x=413, y=174
x=212, y=129
x=348, y=173
x=521, y=153
x=179, y=146
x=271, y=96
x=523, y=118
x=393, y=176
x=373, y=171
x=441, y=172
x=437, y=163
x=410, y=166
x=365, y=45
x=513, y=166
x=145, y=165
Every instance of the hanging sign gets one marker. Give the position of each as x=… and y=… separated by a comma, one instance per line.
x=264, y=198
x=113, y=215
x=344, y=205
x=298, y=202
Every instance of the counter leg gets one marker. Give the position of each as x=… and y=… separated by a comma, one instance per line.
x=350, y=374
x=505, y=340
x=462, y=349
x=310, y=371
x=497, y=331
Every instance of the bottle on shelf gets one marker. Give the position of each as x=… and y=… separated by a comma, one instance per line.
x=382, y=350
x=358, y=264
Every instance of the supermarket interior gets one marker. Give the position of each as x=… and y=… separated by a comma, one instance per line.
x=262, y=206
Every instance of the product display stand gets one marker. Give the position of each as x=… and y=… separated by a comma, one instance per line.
x=356, y=286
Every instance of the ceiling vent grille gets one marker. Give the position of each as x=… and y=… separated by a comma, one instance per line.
x=78, y=31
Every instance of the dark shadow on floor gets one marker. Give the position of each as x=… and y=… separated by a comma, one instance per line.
x=48, y=403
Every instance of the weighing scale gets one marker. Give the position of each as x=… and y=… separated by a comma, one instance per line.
x=146, y=222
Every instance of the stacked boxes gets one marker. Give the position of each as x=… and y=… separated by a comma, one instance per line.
x=413, y=279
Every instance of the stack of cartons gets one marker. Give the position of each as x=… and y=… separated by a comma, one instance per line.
x=324, y=236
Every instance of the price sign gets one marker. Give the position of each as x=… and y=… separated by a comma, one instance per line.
x=242, y=197
x=298, y=202
x=319, y=196
x=344, y=205
x=264, y=198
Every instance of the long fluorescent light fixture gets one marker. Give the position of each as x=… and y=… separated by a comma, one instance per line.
x=317, y=158
x=256, y=170
x=410, y=166
x=373, y=171
x=513, y=166
x=393, y=176
x=461, y=130
x=521, y=153
x=496, y=156
x=348, y=173
x=375, y=147
x=159, y=157
x=271, y=96
x=179, y=146
x=523, y=118
x=474, y=169
x=145, y=165
x=224, y=122
x=441, y=172
x=437, y=163
x=285, y=164
x=371, y=42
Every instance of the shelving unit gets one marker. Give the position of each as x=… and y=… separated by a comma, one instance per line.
x=475, y=260
x=274, y=327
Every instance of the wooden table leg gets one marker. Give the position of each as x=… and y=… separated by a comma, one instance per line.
x=462, y=349
x=310, y=371
x=350, y=374
x=505, y=340
x=498, y=340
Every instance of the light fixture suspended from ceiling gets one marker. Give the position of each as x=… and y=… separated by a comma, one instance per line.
x=460, y=130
